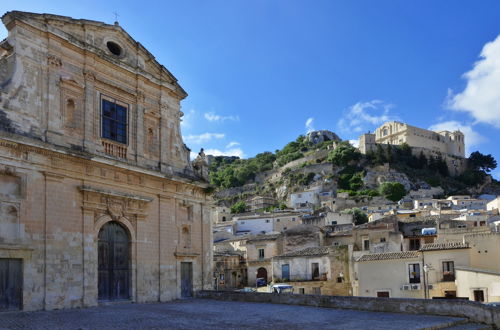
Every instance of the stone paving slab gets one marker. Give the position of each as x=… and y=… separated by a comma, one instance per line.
x=213, y=314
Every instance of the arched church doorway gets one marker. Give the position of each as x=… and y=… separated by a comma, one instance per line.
x=113, y=262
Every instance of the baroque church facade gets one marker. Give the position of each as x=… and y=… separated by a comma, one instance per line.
x=98, y=199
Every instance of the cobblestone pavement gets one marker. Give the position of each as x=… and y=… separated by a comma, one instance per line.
x=212, y=314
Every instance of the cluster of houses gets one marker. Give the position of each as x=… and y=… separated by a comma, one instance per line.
x=420, y=247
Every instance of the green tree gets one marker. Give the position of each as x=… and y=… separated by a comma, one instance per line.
x=343, y=154
x=393, y=191
x=388, y=153
x=238, y=207
x=359, y=216
x=485, y=163
x=380, y=155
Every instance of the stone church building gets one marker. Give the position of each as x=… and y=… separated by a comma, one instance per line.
x=98, y=199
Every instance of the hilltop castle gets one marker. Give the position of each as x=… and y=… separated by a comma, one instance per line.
x=449, y=145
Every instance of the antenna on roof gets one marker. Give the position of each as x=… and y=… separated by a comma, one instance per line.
x=116, y=17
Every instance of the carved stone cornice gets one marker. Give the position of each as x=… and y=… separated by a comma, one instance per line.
x=186, y=254
x=114, y=204
x=87, y=188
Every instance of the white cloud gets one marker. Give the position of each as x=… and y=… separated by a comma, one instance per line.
x=310, y=124
x=203, y=138
x=365, y=115
x=228, y=152
x=354, y=143
x=481, y=96
x=213, y=117
x=232, y=144
x=472, y=138
x=186, y=120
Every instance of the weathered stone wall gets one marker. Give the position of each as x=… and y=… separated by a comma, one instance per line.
x=61, y=181
x=63, y=203
x=474, y=311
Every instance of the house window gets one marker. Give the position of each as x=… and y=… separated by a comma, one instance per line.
x=267, y=221
x=414, y=244
x=301, y=290
x=285, y=272
x=315, y=270
x=479, y=295
x=317, y=291
x=366, y=244
x=382, y=240
x=448, y=271
x=261, y=254
x=383, y=294
x=114, y=120
x=414, y=273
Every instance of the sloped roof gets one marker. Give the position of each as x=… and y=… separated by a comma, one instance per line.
x=307, y=252
x=264, y=237
x=444, y=246
x=390, y=256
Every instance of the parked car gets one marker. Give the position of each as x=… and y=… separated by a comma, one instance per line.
x=281, y=288
x=261, y=281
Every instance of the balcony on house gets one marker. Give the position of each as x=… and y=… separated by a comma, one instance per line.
x=448, y=276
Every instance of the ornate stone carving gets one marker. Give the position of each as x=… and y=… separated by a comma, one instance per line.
x=54, y=61
x=89, y=75
x=115, y=208
x=200, y=165
x=116, y=205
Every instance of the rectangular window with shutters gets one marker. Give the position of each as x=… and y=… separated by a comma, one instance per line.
x=448, y=271
x=114, y=118
x=414, y=244
x=261, y=254
x=414, y=273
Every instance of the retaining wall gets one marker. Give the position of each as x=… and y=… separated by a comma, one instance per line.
x=474, y=311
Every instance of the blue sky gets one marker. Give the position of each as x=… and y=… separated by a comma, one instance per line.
x=261, y=72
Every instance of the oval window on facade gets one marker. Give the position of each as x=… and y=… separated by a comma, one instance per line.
x=114, y=48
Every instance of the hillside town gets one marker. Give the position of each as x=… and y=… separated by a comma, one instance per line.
x=424, y=245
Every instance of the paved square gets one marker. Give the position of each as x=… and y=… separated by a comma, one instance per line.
x=213, y=314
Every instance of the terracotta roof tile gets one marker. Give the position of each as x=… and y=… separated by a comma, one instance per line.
x=390, y=255
x=444, y=246
x=310, y=251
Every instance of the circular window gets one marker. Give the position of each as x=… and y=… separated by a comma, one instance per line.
x=114, y=48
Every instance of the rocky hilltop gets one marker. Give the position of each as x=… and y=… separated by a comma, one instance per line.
x=322, y=159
